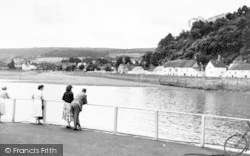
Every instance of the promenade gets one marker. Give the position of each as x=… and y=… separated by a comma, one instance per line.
x=94, y=143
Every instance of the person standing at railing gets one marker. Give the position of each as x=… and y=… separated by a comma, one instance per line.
x=3, y=95
x=76, y=107
x=68, y=97
x=38, y=107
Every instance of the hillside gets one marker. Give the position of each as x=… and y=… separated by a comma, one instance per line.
x=228, y=36
x=70, y=52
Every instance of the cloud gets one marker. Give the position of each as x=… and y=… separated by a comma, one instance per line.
x=49, y=14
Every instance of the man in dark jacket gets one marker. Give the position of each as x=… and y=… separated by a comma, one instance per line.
x=76, y=106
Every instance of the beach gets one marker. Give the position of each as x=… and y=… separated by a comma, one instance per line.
x=58, y=77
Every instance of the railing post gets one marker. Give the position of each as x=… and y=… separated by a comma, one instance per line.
x=44, y=111
x=14, y=110
x=156, y=125
x=115, y=119
x=202, y=130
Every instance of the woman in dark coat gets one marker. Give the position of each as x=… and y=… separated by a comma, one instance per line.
x=68, y=97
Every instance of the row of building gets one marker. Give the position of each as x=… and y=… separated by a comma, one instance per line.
x=215, y=68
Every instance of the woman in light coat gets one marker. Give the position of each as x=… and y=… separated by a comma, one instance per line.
x=38, y=104
x=3, y=95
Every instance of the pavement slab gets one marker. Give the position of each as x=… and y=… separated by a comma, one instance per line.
x=94, y=143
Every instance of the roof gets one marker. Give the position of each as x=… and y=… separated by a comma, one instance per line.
x=180, y=63
x=138, y=68
x=159, y=68
x=240, y=67
x=189, y=63
x=218, y=64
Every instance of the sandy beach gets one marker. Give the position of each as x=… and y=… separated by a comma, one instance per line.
x=57, y=77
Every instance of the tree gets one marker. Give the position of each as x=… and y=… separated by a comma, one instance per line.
x=70, y=68
x=92, y=67
x=11, y=65
x=201, y=59
x=47, y=66
x=127, y=60
x=119, y=61
x=74, y=60
x=165, y=41
x=108, y=67
x=87, y=60
x=101, y=61
x=146, y=59
x=228, y=36
x=81, y=67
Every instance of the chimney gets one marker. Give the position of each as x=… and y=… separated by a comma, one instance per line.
x=219, y=58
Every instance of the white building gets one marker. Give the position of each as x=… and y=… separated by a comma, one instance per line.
x=159, y=70
x=123, y=69
x=28, y=66
x=238, y=71
x=215, y=68
x=182, y=68
x=137, y=70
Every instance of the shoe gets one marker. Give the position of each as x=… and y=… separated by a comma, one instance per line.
x=68, y=126
x=75, y=129
x=79, y=126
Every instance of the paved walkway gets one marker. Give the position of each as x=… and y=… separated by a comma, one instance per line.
x=93, y=143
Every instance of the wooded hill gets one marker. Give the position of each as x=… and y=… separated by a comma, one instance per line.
x=228, y=36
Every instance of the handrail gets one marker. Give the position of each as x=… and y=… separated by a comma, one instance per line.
x=154, y=110
x=156, y=116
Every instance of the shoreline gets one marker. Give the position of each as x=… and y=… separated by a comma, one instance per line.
x=127, y=80
x=56, y=77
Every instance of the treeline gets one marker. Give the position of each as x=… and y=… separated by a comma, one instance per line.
x=69, y=52
x=75, y=52
x=228, y=36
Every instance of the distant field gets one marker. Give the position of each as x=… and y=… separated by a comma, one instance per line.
x=133, y=55
x=48, y=59
x=70, y=52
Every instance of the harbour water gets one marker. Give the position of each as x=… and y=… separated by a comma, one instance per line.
x=172, y=126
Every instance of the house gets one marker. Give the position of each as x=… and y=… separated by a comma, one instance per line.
x=65, y=65
x=135, y=60
x=238, y=71
x=159, y=70
x=28, y=66
x=173, y=67
x=19, y=62
x=137, y=70
x=4, y=63
x=191, y=68
x=124, y=68
x=215, y=68
x=182, y=68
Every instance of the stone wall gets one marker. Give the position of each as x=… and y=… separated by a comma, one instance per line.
x=235, y=84
x=208, y=83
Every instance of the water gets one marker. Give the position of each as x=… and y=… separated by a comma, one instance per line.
x=171, y=126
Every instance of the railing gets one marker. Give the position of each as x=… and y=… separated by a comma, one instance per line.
x=156, y=114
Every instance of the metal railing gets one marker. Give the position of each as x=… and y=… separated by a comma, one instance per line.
x=156, y=116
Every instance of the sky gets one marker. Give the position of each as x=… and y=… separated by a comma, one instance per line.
x=101, y=23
